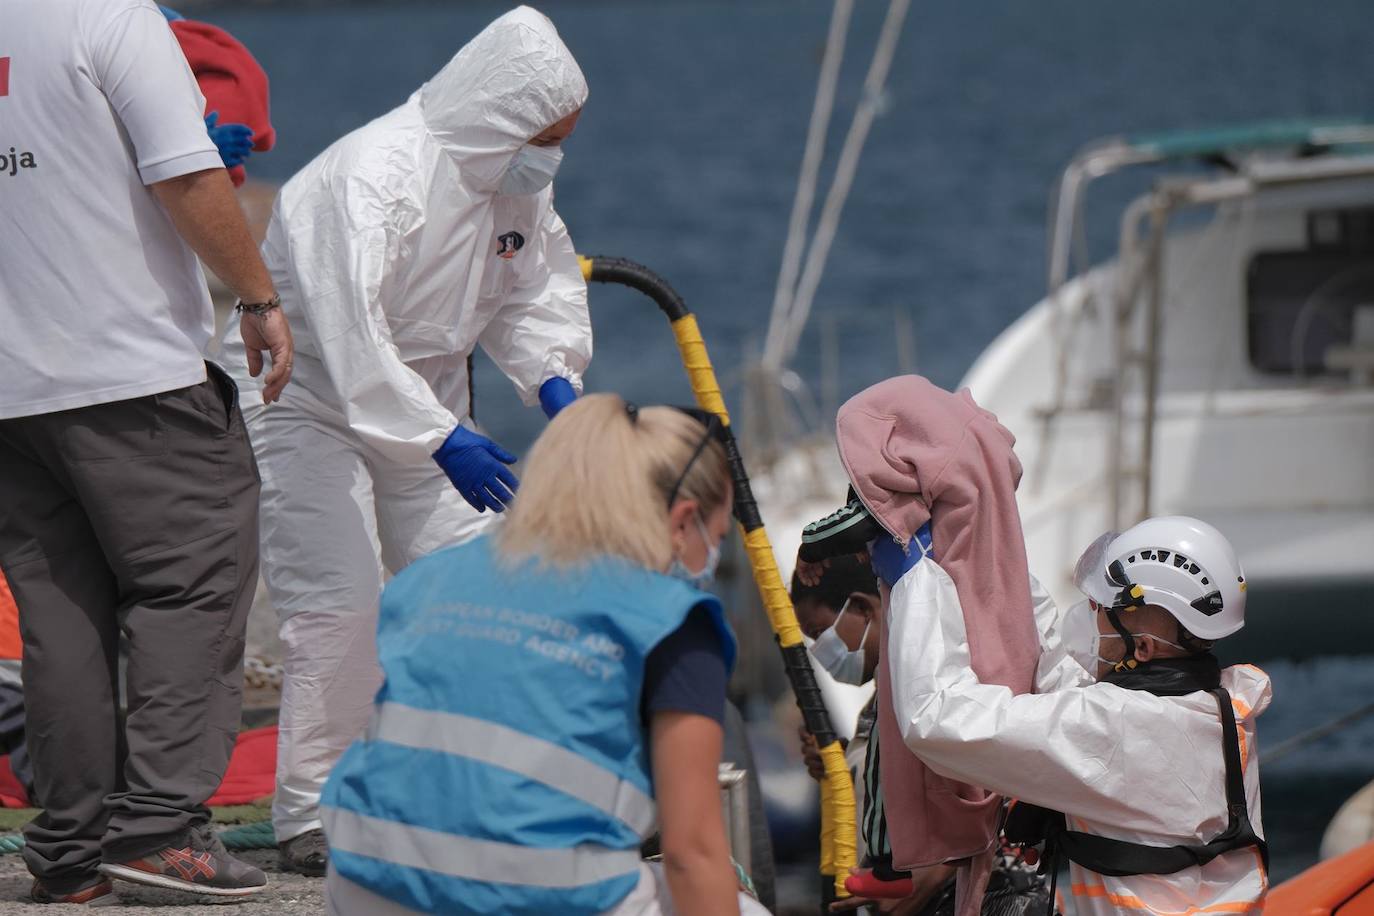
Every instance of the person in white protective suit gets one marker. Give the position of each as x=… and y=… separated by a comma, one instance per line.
x=396, y=252
x=1137, y=748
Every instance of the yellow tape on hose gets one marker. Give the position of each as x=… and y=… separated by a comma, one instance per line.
x=586, y=264
x=827, y=867
x=837, y=791
x=776, y=604
x=837, y=817
x=698, y=365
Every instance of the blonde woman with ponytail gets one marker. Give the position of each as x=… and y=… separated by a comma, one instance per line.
x=554, y=693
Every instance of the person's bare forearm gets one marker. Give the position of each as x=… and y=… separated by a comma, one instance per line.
x=206, y=213
x=701, y=883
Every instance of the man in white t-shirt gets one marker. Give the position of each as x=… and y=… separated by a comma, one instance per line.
x=128, y=492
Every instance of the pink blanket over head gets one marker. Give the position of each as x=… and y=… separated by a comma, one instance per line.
x=916, y=453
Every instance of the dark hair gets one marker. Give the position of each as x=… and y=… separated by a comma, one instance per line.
x=844, y=576
x=1192, y=643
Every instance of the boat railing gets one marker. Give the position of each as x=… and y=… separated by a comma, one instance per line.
x=1068, y=255
x=1137, y=309
x=1290, y=146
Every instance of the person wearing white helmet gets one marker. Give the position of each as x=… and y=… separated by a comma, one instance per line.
x=1135, y=757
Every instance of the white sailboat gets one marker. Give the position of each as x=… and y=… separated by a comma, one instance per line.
x=1220, y=365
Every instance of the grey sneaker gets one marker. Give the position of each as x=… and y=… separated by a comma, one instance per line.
x=307, y=853
x=203, y=867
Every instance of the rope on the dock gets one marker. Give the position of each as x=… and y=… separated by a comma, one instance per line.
x=12, y=842
x=250, y=836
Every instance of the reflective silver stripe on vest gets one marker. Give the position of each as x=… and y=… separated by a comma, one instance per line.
x=535, y=758
x=471, y=859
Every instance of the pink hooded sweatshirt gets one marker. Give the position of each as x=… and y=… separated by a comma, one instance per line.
x=916, y=453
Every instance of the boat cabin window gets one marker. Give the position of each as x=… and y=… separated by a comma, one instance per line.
x=1304, y=305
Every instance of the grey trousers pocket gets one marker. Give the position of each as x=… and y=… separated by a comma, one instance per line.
x=228, y=391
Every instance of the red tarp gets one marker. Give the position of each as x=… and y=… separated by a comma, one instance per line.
x=251, y=775
x=231, y=80
x=10, y=644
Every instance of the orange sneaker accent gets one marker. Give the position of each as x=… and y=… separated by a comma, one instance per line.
x=41, y=894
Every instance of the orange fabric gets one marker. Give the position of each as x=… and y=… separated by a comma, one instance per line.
x=1243, y=711
x=1263, y=872
x=11, y=646
x=1326, y=886
x=1129, y=902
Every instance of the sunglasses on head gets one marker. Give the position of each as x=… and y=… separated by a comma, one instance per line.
x=712, y=427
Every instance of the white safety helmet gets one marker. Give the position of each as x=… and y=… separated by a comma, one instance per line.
x=1179, y=563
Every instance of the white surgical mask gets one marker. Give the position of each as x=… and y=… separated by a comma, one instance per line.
x=702, y=577
x=531, y=170
x=1081, y=637
x=844, y=664
x=1083, y=640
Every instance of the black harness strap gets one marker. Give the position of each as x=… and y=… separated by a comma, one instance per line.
x=1118, y=857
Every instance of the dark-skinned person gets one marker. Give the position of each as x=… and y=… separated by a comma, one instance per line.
x=840, y=613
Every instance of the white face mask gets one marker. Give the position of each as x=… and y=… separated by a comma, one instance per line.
x=1083, y=640
x=531, y=170
x=1081, y=637
x=844, y=664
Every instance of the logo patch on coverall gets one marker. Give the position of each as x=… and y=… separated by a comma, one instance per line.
x=508, y=244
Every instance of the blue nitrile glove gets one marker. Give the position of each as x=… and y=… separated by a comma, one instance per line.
x=891, y=562
x=477, y=468
x=555, y=394
x=235, y=141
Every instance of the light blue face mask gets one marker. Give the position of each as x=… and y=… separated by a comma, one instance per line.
x=531, y=170
x=707, y=573
x=844, y=664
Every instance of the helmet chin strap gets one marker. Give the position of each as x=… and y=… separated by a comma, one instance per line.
x=1131, y=597
x=1127, y=638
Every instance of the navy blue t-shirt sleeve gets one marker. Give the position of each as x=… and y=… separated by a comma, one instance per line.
x=686, y=672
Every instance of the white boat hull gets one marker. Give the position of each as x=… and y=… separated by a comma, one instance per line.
x=1284, y=466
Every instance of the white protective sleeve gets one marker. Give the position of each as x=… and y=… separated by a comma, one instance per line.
x=1098, y=751
x=340, y=263
x=544, y=330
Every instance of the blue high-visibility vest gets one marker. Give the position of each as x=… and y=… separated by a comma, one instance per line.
x=506, y=768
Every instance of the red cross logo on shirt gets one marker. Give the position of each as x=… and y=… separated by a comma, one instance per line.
x=4, y=76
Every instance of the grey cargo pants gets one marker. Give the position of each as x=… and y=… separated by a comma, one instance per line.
x=137, y=516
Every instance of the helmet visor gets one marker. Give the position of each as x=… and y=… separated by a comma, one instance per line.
x=1090, y=572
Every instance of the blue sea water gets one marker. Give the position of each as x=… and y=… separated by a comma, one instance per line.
x=686, y=160
x=687, y=154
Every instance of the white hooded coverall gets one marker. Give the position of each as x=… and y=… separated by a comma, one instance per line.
x=395, y=257
x=1119, y=763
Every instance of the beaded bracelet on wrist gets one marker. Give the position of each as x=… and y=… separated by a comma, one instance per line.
x=259, y=308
